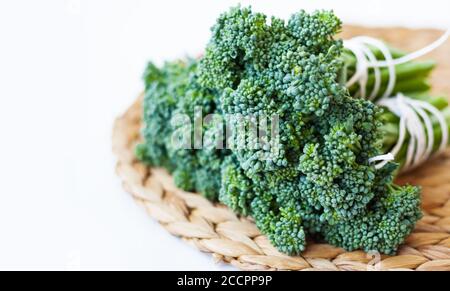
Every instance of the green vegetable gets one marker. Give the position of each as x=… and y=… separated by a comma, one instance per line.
x=315, y=179
x=170, y=90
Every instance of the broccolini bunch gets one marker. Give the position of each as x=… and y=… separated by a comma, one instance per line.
x=319, y=180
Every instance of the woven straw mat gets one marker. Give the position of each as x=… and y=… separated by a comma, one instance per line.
x=214, y=229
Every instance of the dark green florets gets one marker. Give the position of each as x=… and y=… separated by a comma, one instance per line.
x=312, y=174
x=173, y=93
x=383, y=226
x=163, y=90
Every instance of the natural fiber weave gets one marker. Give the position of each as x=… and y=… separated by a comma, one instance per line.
x=215, y=229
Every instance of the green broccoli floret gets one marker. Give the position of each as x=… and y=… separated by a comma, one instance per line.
x=383, y=226
x=173, y=91
x=272, y=204
x=327, y=137
x=236, y=190
x=162, y=93
x=310, y=177
x=282, y=224
x=294, y=76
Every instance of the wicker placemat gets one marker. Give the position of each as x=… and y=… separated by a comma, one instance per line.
x=215, y=229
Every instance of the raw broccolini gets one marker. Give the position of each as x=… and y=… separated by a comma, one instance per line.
x=171, y=89
x=319, y=182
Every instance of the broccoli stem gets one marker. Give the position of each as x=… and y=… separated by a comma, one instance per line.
x=391, y=128
x=351, y=60
x=411, y=80
x=410, y=76
x=415, y=70
x=411, y=85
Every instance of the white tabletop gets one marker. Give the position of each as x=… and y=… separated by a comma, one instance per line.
x=67, y=68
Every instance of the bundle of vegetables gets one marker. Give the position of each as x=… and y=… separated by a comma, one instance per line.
x=415, y=127
x=316, y=175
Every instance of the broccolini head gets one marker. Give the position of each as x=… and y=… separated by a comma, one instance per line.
x=312, y=176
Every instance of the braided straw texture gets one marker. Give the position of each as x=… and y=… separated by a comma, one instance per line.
x=215, y=229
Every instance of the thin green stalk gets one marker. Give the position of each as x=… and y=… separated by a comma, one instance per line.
x=391, y=134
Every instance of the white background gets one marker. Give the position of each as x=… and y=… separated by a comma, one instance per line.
x=67, y=68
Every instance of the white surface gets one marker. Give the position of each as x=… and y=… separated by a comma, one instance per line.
x=67, y=68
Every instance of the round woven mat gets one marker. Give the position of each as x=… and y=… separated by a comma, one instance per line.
x=215, y=229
